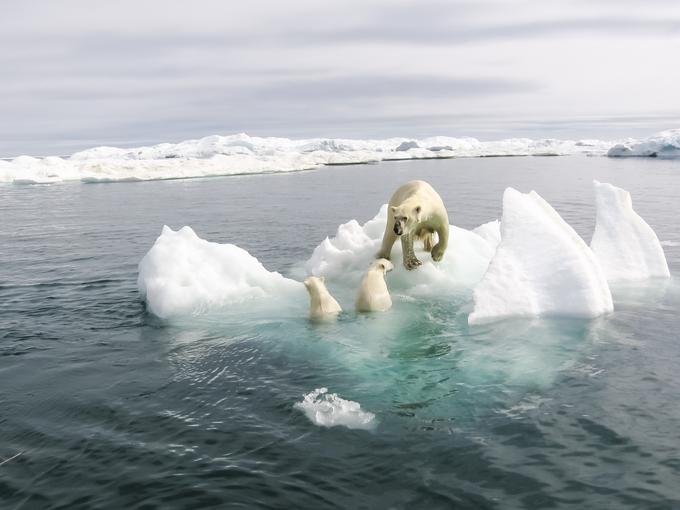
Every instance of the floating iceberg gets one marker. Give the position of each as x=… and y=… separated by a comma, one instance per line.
x=665, y=144
x=529, y=264
x=183, y=274
x=625, y=245
x=346, y=256
x=242, y=154
x=329, y=410
x=541, y=267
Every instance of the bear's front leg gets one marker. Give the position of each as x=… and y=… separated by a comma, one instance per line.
x=410, y=259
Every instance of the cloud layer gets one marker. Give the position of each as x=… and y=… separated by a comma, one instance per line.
x=125, y=73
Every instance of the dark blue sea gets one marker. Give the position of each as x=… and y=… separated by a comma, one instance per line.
x=108, y=407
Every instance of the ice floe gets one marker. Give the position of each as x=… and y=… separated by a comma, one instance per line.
x=624, y=244
x=329, y=410
x=665, y=144
x=541, y=267
x=183, y=274
x=531, y=263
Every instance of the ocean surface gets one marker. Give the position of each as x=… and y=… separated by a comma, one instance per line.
x=109, y=407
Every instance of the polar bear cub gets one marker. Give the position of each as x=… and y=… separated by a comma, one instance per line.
x=373, y=294
x=323, y=306
x=416, y=212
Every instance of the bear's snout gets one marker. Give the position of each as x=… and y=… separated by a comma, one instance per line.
x=397, y=229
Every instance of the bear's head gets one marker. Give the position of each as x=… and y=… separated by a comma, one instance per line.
x=405, y=218
x=315, y=284
x=382, y=265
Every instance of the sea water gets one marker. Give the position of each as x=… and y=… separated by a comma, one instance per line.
x=255, y=407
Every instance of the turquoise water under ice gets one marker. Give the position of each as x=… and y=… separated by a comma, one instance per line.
x=114, y=409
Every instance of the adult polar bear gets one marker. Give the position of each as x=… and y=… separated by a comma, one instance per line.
x=416, y=211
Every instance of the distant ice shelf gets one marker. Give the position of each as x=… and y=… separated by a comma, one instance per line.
x=665, y=144
x=242, y=154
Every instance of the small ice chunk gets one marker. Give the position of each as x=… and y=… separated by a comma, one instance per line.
x=183, y=274
x=625, y=245
x=329, y=410
x=541, y=267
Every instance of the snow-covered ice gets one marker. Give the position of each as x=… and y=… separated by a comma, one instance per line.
x=329, y=410
x=346, y=256
x=242, y=154
x=541, y=267
x=183, y=274
x=624, y=244
x=665, y=144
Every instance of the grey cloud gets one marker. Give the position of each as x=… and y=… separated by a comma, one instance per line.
x=344, y=88
x=441, y=33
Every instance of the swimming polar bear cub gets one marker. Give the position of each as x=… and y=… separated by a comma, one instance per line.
x=416, y=212
x=323, y=306
x=373, y=294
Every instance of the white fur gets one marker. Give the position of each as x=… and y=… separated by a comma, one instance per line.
x=419, y=210
x=322, y=305
x=373, y=294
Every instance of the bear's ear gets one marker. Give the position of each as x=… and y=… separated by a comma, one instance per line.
x=381, y=265
x=393, y=209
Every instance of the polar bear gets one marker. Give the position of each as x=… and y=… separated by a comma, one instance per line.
x=373, y=294
x=323, y=306
x=416, y=212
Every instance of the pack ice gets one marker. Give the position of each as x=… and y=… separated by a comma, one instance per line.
x=242, y=154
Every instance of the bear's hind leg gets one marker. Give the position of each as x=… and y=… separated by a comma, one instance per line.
x=428, y=241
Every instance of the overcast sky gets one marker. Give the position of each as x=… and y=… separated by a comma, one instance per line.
x=82, y=73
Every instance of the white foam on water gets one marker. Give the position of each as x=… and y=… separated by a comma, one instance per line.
x=541, y=267
x=329, y=410
x=183, y=274
x=624, y=244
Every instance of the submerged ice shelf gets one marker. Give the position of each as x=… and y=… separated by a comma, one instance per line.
x=530, y=264
x=242, y=154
